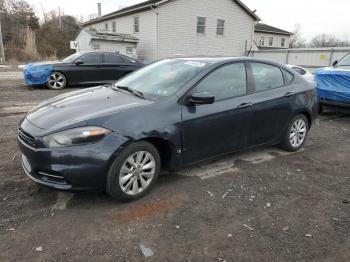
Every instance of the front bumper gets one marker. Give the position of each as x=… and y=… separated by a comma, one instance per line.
x=76, y=168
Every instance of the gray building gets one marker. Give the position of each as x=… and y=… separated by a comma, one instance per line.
x=269, y=37
x=168, y=28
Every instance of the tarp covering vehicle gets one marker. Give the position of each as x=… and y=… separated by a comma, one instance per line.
x=333, y=85
x=36, y=73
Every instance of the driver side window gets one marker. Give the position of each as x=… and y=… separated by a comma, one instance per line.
x=227, y=82
x=91, y=58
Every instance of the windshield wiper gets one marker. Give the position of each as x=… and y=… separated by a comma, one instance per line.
x=131, y=91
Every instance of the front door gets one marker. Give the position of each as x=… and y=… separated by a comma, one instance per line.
x=90, y=66
x=222, y=127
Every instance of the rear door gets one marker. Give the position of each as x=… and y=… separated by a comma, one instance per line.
x=273, y=98
x=89, y=66
x=115, y=66
x=222, y=127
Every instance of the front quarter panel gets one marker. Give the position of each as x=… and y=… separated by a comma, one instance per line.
x=159, y=120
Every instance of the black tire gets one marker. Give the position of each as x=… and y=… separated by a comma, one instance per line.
x=57, y=81
x=286, y=142
x=113, y=187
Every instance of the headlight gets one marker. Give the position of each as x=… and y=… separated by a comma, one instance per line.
x=75, y=136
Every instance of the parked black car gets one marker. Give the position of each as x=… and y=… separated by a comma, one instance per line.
x=172, y=113
x=82, y=68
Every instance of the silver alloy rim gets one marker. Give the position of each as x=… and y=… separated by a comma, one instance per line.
x=57, y=81
x=297, y=133
x=137, y=172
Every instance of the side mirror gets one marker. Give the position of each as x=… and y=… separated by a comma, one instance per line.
x=79, y=62
x=335, y=63
x=201, y=98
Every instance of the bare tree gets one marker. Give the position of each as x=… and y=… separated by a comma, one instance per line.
x=324, y=40
x=297, y=41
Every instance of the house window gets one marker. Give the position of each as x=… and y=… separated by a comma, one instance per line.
x=106, y=26
x=129, y=50
x=114, y=26
x=270, y=41
x=96, y=47
x=201, y=25
x=220, y=27
x=283, y=42
x=136, y=24
x=262, y=40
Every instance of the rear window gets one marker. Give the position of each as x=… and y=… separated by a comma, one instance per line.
x=112, y=59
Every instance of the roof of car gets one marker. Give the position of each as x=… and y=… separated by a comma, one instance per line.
x=219, y=59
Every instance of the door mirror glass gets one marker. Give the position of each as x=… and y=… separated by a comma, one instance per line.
x=202, y=98
x=335, y=63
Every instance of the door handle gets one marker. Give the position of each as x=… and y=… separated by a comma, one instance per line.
x=245, y=105
x=288, y=94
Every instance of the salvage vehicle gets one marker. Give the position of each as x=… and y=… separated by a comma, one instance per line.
x=306, y=74
x=172, y=113
x=333, y=85
x=82, y=68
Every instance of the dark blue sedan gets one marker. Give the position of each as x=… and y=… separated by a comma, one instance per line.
x=172, y=113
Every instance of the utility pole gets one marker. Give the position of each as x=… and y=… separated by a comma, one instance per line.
x=2, y=51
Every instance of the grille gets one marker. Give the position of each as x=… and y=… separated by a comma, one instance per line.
x=27, y=138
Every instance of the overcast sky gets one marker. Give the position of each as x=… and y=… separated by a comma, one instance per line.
x=314, y=16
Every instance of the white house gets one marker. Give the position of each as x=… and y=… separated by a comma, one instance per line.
x=269, y=37
x=107, y=41
x=168, y=28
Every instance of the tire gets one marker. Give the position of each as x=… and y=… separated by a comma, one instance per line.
x=57, y=81
x=122, y=174
x=299, y=126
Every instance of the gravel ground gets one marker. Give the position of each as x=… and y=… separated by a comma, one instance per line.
x=261, y=205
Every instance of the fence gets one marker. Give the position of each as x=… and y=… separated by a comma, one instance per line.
x=310, y=58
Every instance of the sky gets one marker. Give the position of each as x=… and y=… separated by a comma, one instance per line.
x=314, y=16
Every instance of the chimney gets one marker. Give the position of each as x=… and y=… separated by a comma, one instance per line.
x=99, y=13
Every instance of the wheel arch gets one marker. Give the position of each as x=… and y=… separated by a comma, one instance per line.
x=308, y=117
x=166, y=149
x=62, y=72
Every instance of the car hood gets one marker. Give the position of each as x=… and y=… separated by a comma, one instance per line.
x=80, y=106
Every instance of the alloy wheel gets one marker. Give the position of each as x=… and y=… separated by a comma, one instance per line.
x=298, y=133
x=56, y=81
x=137, y=172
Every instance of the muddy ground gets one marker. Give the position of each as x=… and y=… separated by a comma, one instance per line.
x=262, y=205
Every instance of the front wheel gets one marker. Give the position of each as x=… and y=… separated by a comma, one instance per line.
x=56, y=81
x=296, y=134
x=134, y=172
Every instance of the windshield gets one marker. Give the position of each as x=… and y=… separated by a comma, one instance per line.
x=72, y=57
x=162, y=78
x=345, y=61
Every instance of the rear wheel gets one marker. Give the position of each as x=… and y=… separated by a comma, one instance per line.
x=56, y=81
x=134, y=172
x=296, y=134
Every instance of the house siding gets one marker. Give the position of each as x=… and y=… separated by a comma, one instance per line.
x=178, y=28
x=146, y=48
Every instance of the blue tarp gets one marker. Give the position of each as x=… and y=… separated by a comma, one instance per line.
x=36, y=74
x=333, y=85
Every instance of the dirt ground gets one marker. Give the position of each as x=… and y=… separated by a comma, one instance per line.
x=262, y=205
